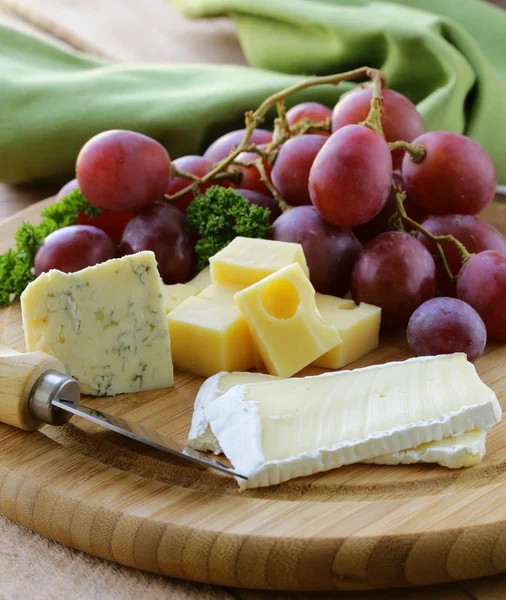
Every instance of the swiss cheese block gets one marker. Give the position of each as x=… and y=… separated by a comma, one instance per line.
x=454, y=452
x=281, y=313
x=358, y=327
x=202, y=280
x=274, y=431
x=176, y=293
x=247, y=260
x=208, y=334
x=107, y=324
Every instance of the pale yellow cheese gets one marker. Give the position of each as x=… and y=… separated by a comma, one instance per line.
x=208, y=334
x=174, y=294
x=106, y=324
x=202, y=280
x=358, y=327
x=246, y=261
x=221, y=292
x=283, y=319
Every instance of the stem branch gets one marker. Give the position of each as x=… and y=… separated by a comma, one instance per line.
x=438, y=240
x=257, y=117
x=417, y=153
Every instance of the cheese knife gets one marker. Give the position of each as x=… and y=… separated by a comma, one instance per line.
x=34, y=391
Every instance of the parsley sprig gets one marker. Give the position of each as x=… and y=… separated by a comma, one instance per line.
x=221, y=215
x=16, y=265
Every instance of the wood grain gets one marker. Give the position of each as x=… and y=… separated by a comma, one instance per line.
x=359, y=527
x=131, y=30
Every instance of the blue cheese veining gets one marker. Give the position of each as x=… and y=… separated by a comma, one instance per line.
x=107, y=325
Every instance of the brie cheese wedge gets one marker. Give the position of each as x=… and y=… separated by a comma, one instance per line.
x=454, y=452
x=278, y=430
x=463, y=450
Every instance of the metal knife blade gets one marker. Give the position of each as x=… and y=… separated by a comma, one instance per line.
x=139, y=433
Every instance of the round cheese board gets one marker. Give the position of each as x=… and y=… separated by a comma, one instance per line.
x=356, y=527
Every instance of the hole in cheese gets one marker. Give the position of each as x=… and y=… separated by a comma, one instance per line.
x=280, y=299
x=348, y=305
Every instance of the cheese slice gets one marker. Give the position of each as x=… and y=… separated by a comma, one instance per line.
x=453, y=452
x=107, y=324
x=176, y=293
x=281, y=313
x=464, y=450
x=275, y=431
x=201, y=280
x=201, y=437
x=248, y=260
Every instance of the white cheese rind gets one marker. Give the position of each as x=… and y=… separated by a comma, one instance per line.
x=250, y=418
x=107, y=324
x=464, y=450
x=453, y=453
x=201, y=437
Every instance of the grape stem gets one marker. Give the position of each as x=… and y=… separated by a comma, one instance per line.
x=417, y=152
x=373, y=120
x=233, y=175
x=438, y=240
x=255, y=118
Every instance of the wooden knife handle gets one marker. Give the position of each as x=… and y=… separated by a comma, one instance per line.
x=18, y=374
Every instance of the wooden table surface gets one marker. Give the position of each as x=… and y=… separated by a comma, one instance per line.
x=146, y=31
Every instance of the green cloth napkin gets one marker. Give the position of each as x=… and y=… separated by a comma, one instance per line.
x=450, y=61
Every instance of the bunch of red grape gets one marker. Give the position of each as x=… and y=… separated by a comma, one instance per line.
x=341, y=179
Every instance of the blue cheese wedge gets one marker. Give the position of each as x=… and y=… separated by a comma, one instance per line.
x=465, y=450
x=106, y=324
x=278, y=430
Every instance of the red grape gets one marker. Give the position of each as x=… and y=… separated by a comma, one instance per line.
x=196, y=165
x=164, y=230
x=396, y=272
x=400, y=119
x=351, y=177
x=123, y=170
x=263, y=201
x=314, y=111
x=221, y=147
x=251, y=175
x=112, y=223
x=482, y=284
x=330, y=251
x=476, y=236
x=444, y=326
x=380, y=222
x=74, y=248
x=67, y=188
x=290, y=174
x=455, y=176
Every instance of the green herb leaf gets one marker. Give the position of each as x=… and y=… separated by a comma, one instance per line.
x=16, y=265
x=221, y=215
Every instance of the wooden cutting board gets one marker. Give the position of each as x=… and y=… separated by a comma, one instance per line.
x=357, y=527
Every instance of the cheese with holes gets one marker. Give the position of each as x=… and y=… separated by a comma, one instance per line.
x=275, y=431
x=247, y=260
x=176, y=293
x=453, y=452
x=358, y=328
x=107, y=324
x=202, y=280
x=281, y=313
x=209, y=334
